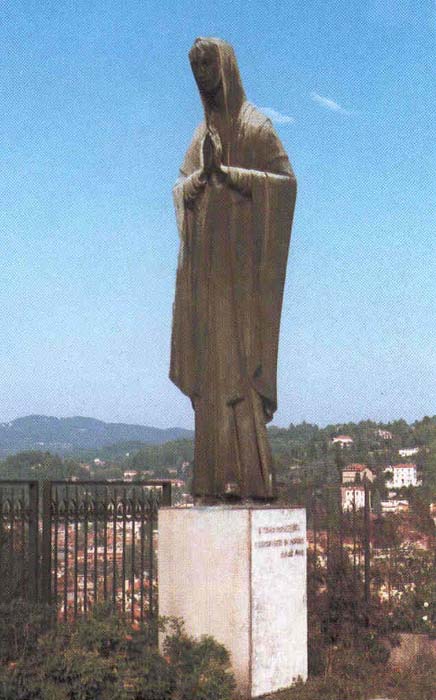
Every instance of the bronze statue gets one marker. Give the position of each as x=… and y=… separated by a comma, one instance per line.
x=234, y=201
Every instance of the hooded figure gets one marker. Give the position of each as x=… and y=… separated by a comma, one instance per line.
x=234, y=202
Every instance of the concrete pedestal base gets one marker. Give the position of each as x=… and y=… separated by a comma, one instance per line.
x=238, y=573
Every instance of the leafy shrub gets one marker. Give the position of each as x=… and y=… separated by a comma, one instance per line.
x=202, y=668
x=104, y=658
x=22, y=623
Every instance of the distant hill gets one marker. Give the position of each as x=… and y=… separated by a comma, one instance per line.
x=72, y=435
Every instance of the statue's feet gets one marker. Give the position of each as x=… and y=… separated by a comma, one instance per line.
x=257, y=501
x=207, y=501
x=232, y=499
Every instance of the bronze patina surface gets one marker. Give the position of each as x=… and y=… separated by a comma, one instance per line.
x=234, y=201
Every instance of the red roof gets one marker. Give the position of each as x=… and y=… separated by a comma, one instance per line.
x=354, y=468
x=403, y=466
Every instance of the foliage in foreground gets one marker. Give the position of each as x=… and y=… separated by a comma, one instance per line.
x=349, y=642
x=103, y=658
x=353, y=678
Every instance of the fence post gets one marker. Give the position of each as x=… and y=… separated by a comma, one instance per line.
x=33, y=540
x=46, y=543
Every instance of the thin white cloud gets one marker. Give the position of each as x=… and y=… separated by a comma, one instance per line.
x=329, y=104
x=276, y=117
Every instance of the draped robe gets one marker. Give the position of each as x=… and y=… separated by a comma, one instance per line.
x=231, y=272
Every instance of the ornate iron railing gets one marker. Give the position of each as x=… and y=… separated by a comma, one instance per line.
x=19, y=539
x=84, y=542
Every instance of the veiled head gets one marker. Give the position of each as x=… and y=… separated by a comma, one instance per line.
x=205, y=64
x=214, y=65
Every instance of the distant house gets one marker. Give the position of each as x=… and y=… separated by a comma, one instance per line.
x=394, y=506
x=384, y=434
x=352, y=497
x=179, y=483
x=402, y=475
x=356, y=472
x=130, y=475
x=342, y=441
x=408, y=451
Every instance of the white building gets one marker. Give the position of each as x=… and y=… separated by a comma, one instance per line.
x=179, y=483
x=356, y=472
x=408, y=451
x=130, y=475
x=342, y=440
x=394, y=506
x=402, y=475
x=384, y=434
x=352, y=497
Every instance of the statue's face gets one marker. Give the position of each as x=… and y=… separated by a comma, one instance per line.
x=206, y=68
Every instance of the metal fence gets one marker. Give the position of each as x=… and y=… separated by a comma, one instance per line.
x=19, y=565
x=368, y=569
x=75, y=544
x=340, y=551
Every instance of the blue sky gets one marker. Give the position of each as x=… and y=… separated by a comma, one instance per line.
x=98, y=106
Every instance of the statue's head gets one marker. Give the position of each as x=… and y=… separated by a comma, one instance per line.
x=205, y=63
x=214, y=65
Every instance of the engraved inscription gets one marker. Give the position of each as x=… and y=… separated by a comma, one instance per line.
x=289, y=546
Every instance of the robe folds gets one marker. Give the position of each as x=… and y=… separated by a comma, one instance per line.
x=234, y=239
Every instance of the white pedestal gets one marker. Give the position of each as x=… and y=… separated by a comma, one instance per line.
x=238, y=573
